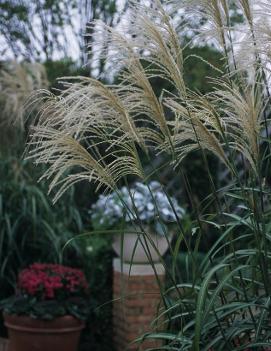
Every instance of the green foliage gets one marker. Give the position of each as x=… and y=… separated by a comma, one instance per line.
x=48, y=309
x=223, y=301
x=33, y=230
x=97, y=260
x=62, y=68
x=201, y=64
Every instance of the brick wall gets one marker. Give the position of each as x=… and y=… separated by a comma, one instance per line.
x=138, y=300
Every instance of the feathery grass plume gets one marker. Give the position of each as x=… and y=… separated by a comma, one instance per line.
x=264, y=7
x=216, y=12
x=246, y=6
x=231, y=117
x=88, y=103
x=110, y=114
x=195, y=127
x=78, y=125
x=134, y=78
x=241, y=110
x=64, y=153
x=157, y=40
x=17, y=82
x=112, y=117
x=253, y=51
x=263, y=41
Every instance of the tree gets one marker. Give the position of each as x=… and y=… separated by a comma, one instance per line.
x=43, y=30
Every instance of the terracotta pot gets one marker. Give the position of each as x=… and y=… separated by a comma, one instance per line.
x=29, y=334
x=133, y=248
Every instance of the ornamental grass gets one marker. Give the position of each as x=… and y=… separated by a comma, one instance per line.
x=102, y=132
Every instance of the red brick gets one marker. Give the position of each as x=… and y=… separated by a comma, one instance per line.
x=137, y=307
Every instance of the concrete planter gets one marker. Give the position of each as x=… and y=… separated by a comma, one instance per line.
x=136, y=245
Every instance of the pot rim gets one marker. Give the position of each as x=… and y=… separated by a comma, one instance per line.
x=17, y=322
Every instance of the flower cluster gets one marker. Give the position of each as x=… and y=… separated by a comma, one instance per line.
x=51, y=281
x=145, y=203
x=48, y=291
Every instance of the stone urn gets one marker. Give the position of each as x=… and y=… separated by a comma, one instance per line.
x=137, y=247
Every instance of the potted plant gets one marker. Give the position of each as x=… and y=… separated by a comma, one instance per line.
x=144, y=218
x=48, y=309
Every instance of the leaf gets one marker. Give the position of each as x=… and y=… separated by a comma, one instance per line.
x=201, y=300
